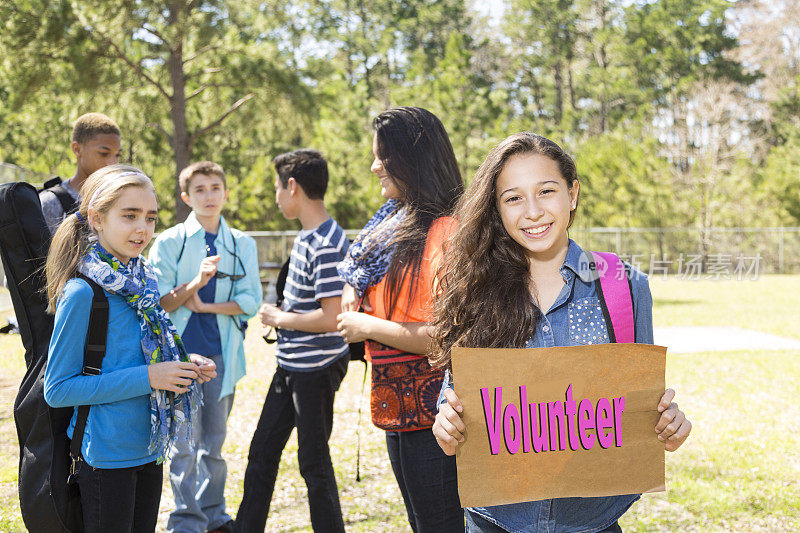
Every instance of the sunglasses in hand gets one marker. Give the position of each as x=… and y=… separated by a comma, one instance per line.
x=271, y=336
x=222, y=275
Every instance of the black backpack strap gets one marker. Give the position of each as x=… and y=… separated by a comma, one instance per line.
x=92, y=361
x=183, y=244
x=52, y=182
x=280, y=282
x=68, y=203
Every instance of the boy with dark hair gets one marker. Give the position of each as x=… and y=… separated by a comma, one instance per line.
x=312, y=356
x=96, y=144
x=308, y=168
x=208, y=276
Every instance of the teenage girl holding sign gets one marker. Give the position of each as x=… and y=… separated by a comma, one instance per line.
x=514, y=279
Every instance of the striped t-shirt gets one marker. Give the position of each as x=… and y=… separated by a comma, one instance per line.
x=312, y=276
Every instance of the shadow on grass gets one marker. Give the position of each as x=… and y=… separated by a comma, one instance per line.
x=674, y=301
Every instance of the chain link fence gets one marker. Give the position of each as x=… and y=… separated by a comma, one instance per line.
x=9, y=173
x=715, y=252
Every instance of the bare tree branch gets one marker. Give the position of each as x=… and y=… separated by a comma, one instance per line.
x=200, y=52
x=137, y=67
x=155, y=33
x=158, y=127
x=239, y=103
x=205, y=86
x=198, y=91
x=208, y=70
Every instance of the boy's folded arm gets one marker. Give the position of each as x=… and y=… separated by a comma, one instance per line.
x=175, y=297
x=224, y=308
x=247, y=303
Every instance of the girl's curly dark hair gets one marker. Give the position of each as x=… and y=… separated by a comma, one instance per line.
x=484, y=297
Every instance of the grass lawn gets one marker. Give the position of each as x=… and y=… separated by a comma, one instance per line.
x=740, y=470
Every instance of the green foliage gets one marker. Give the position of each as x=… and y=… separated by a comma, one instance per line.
x=615, y=82
x=624, y=183
x=780, y=177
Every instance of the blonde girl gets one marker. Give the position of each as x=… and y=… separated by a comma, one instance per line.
x=146, y=385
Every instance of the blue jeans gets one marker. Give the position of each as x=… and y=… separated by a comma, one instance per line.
x=197, y=471
x=427, y=480
x=480, y=524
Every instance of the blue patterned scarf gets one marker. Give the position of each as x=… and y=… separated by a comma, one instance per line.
x=369, y=255
x=138, y=285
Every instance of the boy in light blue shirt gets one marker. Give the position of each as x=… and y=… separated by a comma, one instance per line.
x=209, y=282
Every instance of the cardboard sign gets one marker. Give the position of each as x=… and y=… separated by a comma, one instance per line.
x=559, y=422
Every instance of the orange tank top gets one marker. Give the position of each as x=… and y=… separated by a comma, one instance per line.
x=407, y=309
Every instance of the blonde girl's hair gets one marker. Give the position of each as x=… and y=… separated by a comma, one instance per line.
x=71, y=240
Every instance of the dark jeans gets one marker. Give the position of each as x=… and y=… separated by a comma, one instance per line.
x=303, y=400
x=120, y=499
x=427, y=479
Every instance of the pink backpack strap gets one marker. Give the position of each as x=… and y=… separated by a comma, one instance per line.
x=616, y=296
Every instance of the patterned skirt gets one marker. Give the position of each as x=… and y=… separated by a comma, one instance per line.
x=404, y=389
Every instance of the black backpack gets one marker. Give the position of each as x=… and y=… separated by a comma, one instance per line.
x=47, y=501
x=68, y=203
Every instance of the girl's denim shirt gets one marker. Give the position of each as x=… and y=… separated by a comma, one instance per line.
x=575, y=319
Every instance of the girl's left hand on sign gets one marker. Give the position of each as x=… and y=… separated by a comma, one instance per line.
x=673, y=427
x=206, y=368
x=449, y=427
x=353, y=326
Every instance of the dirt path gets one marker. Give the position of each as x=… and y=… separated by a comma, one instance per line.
x=692, y=339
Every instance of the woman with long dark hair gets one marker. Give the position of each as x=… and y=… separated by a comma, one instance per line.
x=389, y=270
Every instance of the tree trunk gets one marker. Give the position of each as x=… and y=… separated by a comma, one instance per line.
x=601, y=12
x=366, y=36
x=604, y=93
x=559, y=97
x=177, y=105
x=572, y=103
x=537, y=93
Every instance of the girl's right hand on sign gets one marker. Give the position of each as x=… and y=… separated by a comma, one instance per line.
x=448, y=427
x=173, y=376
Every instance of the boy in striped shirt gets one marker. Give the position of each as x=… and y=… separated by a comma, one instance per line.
x=312, y=356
